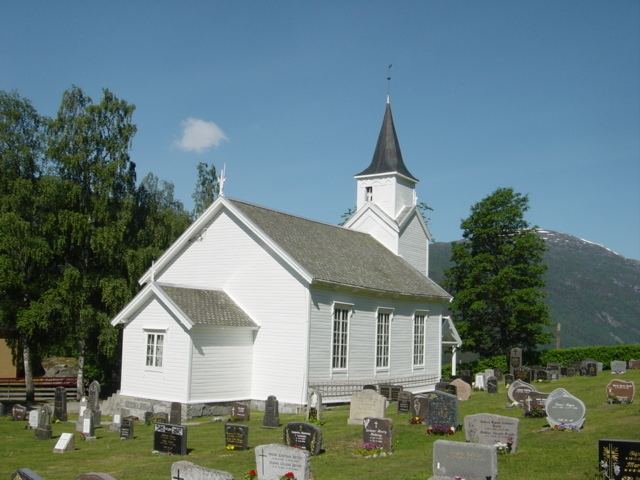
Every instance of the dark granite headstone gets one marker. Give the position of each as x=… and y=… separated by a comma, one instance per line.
x=236, y=435
x=271, y=417
x=19, y=412
x=592, y=369
x=370, y=387
x=378, y=432
x=534, y=403
x=126, y=428
x=419, y=406
x=404, y=401
x=508, y=379
x=94, y=402
x=619, y=459
x=148, y=418
x=25, y=474
x=1, y=409
x=390, y=392
x=492, y=385
x=498, y=373
x=440, y=386
x=175, y=413
x=60, y=404
x=542, y=375
x=466, y=376
x=303, y=435
x=519, y=390
x=240, y=412
x=571, y=371
x=168, y=438
x=442, y=410
x=521, y=373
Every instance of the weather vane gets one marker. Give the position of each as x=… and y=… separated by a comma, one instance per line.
x=389, y=81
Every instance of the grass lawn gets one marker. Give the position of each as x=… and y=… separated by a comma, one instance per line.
x=542, y=454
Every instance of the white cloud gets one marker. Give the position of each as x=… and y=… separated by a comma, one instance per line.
x=199, y=135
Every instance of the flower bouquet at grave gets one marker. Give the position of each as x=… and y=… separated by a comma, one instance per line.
x=565, y=427
x=503, y=448
x=416, y=420
x=369, y=450
x=438, y=429
x=535, y=413
x=250, y=475
x=288, y=476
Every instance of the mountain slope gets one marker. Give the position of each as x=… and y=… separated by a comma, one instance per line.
x=593, y=292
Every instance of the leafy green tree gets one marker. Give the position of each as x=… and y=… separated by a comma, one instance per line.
x=207, y=188
x=497, y=277
x=89, y=146
x=25, y=254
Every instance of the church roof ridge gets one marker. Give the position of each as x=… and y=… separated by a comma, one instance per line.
x=387, y=157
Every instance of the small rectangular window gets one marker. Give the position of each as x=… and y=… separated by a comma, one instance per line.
x=368, y=196
x=155, y=343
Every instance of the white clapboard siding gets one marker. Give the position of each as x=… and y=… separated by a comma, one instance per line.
x=229, y=257
x=413, y=244
x=372, y=224
x=169, y=382
x=221, y=363
x=362, y=337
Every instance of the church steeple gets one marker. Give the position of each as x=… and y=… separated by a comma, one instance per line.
x=387, y=157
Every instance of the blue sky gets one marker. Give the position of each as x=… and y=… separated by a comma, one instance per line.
x=541, y=96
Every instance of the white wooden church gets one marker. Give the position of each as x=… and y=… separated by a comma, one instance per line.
x=251, y=302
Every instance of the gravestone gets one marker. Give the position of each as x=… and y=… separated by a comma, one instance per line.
x=34, y=415
x=25, y=474
x=518, y=391
x=161, y=417
x=390, y=392
x=479, y=383
x=404, y=401
x=87, y=424
x=148, y=418
x=303, y=435
x=463, y=389
x=553, y=366
x=60, y=404
x=366, y=403
x=370, y=387
x=508, y=379
x=619, y=459
x=565, y=410
x=175, y=413
x=95, y=476
x=620, y=391
x=442, y=410
x=274, y=460
x=94, y=402
x=492, y=429
x=492, y=385
x=236, y=435
x=43, y=430
x=542, y=375
x=314, y=405
x=419, y=406
x=240, y=412
x=489, y=372
x=618, y=366
x=168, y=438
x=271, y=418
x=183, y=470
x=571, y=371
x=521, y=373
x=634, y=364
x=19, y=412
x=534, y=404
x=378, y=432
x=515, y=360
x=66, y=443
x=592, y=369
x=82, y=407
x=440, y=386
x=465, y=375
x=471, y=461
x=127, y=428
x=497, y=373
x=116, y=420
x=1, y=409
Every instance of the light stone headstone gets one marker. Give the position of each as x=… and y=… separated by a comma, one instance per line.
x=564, y=409
x=94, y=402
x=43, y=431
x=471, y=461
x=33, y=418
x=366, y=403
x=95, y=476
x=492, y=429
x=489, y=372
x=274, y=460
x=479, y=383
x=66, y=443
x=116, y=420
x=618, y=366
x=515, y=360
x=184, y=470
x=463, y=389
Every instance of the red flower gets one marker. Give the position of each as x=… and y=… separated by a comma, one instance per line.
x=252, y=472
x=289, y=475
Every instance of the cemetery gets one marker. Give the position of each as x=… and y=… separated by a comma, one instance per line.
x=589, y=429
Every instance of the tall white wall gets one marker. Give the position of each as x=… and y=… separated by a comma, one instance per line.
x=390, y=192
x=372, y=224
x=169, y=382
x=413, y=245
x=362, y=337
x=229, y=257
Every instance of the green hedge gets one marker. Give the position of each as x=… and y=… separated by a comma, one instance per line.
x=564, y=356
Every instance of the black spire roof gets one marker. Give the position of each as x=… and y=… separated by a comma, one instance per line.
x=387, y=158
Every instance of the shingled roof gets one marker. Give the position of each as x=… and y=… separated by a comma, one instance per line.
x=208, y=307
x=387, y=157
x=337, y=255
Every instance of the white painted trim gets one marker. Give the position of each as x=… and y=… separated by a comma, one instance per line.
x=425, y=314
x=409, y=216
x=342, y=306
x=305, y=375
x=378, y=212
x=386, y=174
x=387, y=369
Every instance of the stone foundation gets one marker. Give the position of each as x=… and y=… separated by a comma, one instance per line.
x=138, y=406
